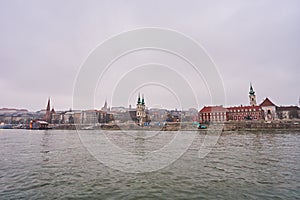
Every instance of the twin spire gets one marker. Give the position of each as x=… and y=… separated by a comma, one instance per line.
x=141, y=101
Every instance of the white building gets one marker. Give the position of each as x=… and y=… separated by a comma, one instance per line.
x=269, y=109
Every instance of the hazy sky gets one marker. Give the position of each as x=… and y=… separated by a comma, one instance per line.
x=44, y=43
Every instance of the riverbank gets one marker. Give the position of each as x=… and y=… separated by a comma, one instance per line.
x=189, y=126
x=184, y=126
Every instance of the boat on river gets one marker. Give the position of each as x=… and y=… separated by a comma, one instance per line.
x=39, y=125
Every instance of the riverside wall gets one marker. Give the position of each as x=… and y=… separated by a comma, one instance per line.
x=189, y=126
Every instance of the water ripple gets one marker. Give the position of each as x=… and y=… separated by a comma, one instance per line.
x=55, y=165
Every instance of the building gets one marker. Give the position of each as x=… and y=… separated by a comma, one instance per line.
x=288, y=112
x=89, y=117
x=104, y=117
x=174, y=116
x=269, y=109
x=58, y=117
x=141, y=110
x=212, y=114
x=140, y=115
x=190, y=115
x=158, y=115
x=252, y=96
x=239, y=113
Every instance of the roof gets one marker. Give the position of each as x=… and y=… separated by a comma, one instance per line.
x=243, y=107
x=41, y=122
x=213, y=109
x=267, y=102
x=287, y=108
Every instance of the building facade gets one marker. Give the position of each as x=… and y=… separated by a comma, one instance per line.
x=239, y=113
x=269, y=109
x=141, y=110
x=288, y=112
x=212, y=114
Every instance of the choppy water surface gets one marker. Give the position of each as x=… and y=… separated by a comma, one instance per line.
x=55, y=165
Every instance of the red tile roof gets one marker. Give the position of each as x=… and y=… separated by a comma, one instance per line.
x=209, y=109
x=267, y=102
x=243, y=107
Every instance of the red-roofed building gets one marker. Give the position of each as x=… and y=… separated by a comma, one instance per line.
x=212, y=114
x=239, y=113
x=269, y=109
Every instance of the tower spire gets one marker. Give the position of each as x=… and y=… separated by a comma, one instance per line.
x=139, y=99
x=143, y=100
x=48, y=105
x=251, y=92
x=48, y=113
x=105, y=104
x=252, y=96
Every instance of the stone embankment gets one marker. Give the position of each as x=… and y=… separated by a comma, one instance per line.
x=261, y=125
x=189, y=126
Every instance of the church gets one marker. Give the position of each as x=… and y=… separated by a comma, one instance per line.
x=140, y=115
x=251, y=112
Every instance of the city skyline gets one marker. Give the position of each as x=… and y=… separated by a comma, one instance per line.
x=106, y=104
x=43, y=45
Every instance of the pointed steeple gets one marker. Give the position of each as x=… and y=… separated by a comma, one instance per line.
x=48, y=105
x=105, y=104
x=251, y=92
x=47, y=116
x=143, y=101
x=139, y=99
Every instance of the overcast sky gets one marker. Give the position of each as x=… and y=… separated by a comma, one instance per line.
x=44, y=43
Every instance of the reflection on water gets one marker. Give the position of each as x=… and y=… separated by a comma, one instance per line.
x=55, y=164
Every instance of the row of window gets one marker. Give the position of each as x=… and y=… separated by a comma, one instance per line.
x=234, y=110
x=223, y=114
x=245, y=110
x=213, y=114
x=244, y=114
x=214, y=119
x=241, y=118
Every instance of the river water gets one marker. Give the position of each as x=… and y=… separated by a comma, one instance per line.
x=55, y=164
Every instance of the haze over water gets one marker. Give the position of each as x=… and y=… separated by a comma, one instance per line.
x=54, y=164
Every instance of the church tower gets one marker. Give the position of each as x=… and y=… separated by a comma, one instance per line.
x=140, y=110
x=47, y=117
x=252, y=96
x=105, y=108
